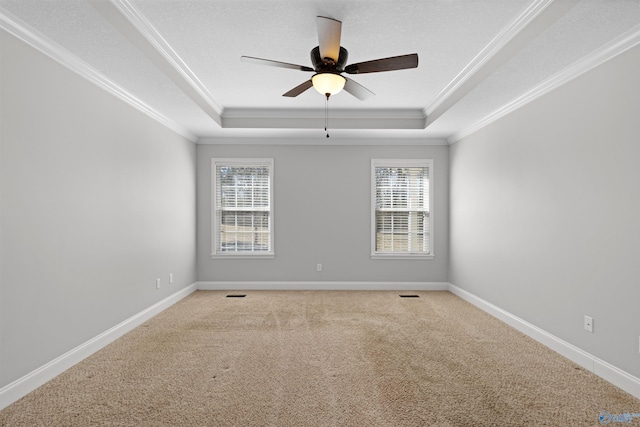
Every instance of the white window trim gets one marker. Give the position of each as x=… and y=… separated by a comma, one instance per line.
x=402, y=163
x=214, y=222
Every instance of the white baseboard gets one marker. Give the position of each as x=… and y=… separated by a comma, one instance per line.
x=22, y=386
x=322, y=286
x=610, y=373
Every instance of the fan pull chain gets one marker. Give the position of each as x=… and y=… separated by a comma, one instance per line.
x=326, y=114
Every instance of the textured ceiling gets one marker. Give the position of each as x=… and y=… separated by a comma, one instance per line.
x=180, y=60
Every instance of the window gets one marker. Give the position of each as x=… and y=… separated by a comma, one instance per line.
x=242, y=213
x=401, y=220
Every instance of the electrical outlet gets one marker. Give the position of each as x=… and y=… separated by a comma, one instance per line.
x=319, y=267
x=588, y=323
x=170, y=278
x=157, y=283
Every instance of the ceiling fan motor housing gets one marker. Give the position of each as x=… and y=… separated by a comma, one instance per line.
x=328, y=65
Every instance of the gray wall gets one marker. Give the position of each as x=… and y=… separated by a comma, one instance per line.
x=322, y=215
x=97, y=201
x=545, y=208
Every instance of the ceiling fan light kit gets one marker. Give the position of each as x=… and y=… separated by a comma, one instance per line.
x=328, y=83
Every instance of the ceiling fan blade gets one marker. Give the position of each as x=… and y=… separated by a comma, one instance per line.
x=357, y=90
x=299, y=89
x=274, y=63
x=401, y=62
x=329, y=31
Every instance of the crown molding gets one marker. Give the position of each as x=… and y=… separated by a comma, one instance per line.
x=366, y=139
x=605, y=53
x=143, y=34
x=412, y=113
x=531, y=22
x=314, y=118
x=33, y=38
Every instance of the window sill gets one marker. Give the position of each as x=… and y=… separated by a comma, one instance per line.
x=416, y=257
x=242, y=256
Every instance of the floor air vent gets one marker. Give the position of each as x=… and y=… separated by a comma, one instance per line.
x=236, y=296
x=410, y=296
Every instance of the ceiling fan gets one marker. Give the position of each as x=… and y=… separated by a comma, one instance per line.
x=329, y=59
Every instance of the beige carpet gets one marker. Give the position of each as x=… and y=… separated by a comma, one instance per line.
x=312, y=358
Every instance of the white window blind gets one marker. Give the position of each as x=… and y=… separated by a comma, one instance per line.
x=242, y=207
x=401, y=219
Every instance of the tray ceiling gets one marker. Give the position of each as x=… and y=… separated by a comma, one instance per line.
x=179, y=60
